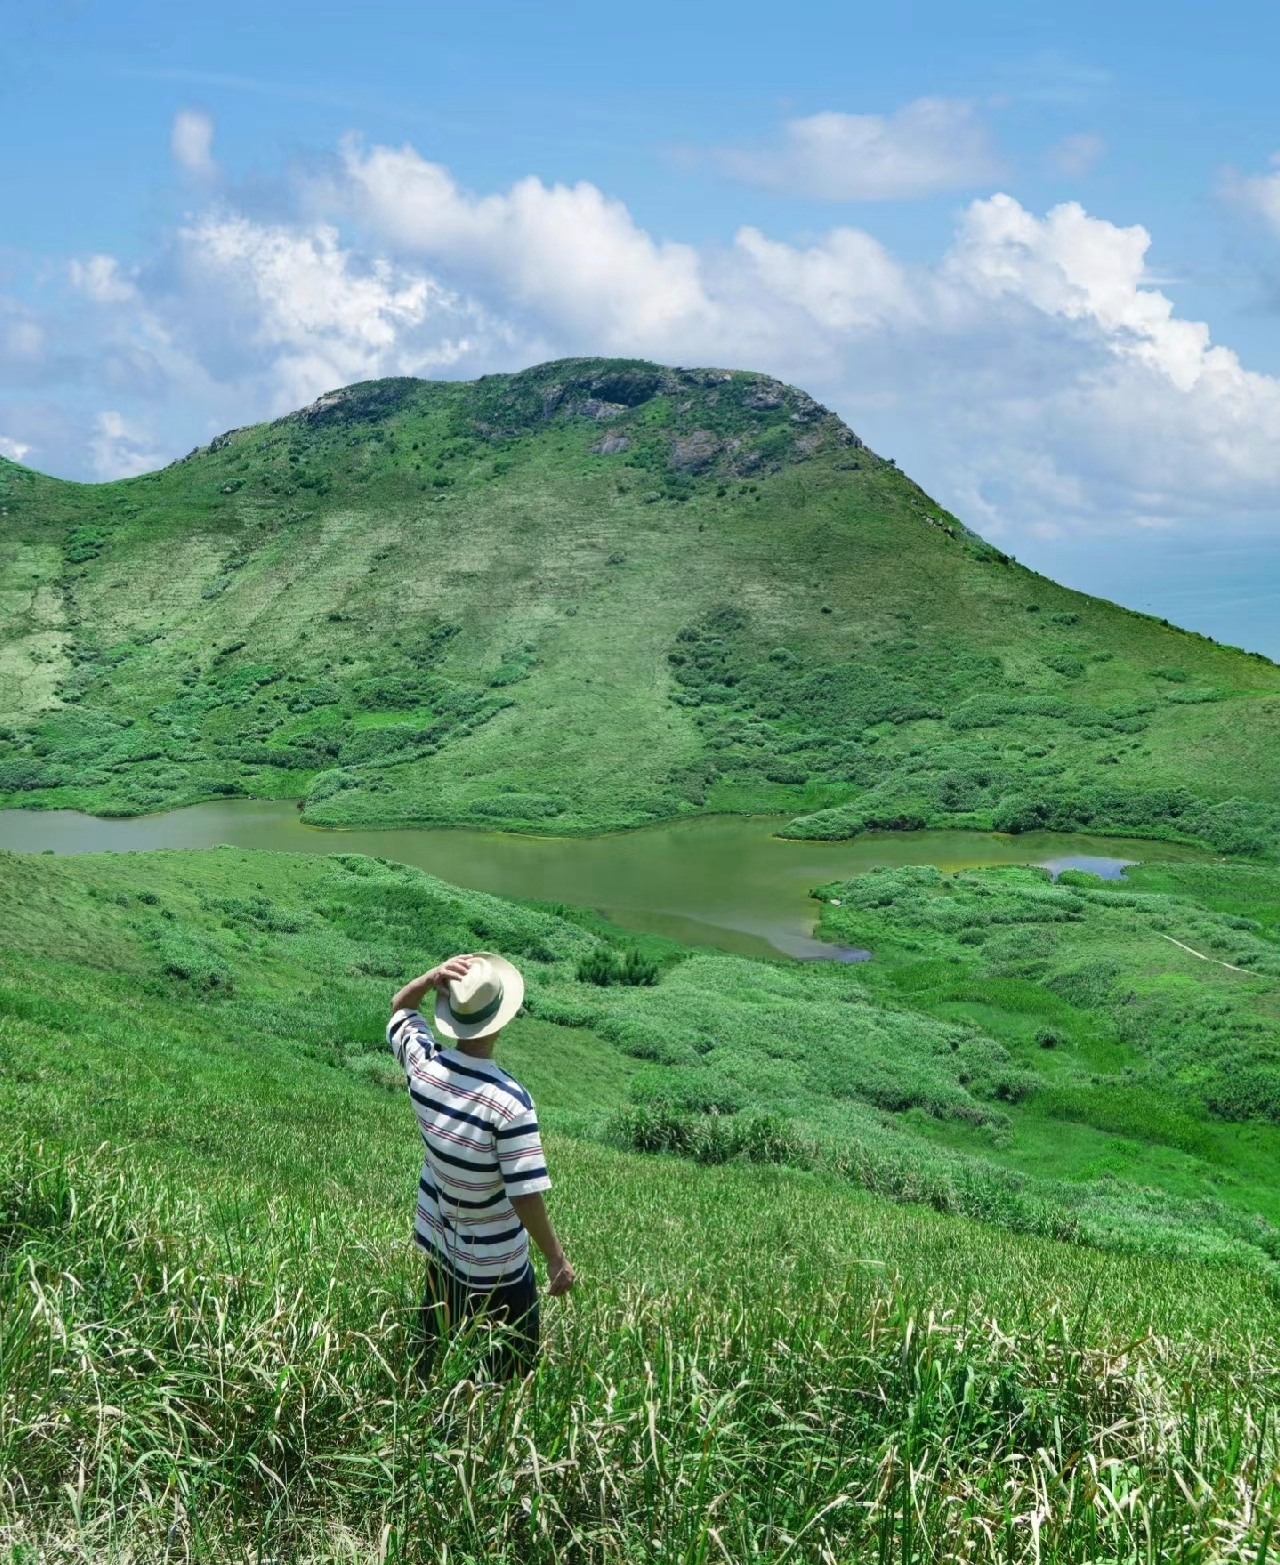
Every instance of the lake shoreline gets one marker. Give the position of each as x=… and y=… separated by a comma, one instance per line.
x=533, y=834
x=724, y=881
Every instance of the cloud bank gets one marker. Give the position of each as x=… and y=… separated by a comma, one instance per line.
x=1029, y=376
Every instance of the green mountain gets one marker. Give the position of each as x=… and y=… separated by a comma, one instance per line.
x=592, y=595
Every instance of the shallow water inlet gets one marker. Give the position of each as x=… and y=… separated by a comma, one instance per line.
x=723, y=880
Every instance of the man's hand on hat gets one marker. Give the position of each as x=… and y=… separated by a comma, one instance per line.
x=410, y=997
x=455, y=967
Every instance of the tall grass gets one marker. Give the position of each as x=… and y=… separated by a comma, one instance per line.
x=225, y=1379
x=206, y=1331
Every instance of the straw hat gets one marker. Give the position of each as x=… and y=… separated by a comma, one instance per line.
x=482, y=1001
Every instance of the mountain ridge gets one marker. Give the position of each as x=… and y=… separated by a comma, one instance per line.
x=586, y=596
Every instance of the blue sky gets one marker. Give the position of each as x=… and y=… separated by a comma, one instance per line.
x=928, y=215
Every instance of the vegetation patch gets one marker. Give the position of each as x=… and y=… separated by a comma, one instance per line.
x=208, y=1253
x=921, y=1075
x=519, y=806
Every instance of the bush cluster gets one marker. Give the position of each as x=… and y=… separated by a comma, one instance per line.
x=755, y=1137
x=1090, y=946
x=605, y=965
x=518, y=807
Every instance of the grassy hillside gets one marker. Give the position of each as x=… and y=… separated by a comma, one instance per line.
x=1044, y=1057
x=205, y=1325
x=1146, y=1016
x=591, y=595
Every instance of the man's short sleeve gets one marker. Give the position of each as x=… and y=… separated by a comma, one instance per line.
x=520, y=1157
x=411, y=1041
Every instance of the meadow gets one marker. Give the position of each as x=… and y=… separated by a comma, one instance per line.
x=592, y=595
x=207, y=1292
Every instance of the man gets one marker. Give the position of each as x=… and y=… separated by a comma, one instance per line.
x=480, y=1194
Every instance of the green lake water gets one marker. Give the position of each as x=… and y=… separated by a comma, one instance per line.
x=722, y=880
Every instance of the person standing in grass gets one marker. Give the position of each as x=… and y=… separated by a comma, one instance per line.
x=480, y=1196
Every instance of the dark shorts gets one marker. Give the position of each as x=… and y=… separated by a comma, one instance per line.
x=503, y=1319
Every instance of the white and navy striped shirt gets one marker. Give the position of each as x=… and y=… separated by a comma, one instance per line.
x=483, y=1147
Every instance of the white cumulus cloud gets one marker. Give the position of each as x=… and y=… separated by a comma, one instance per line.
x=564, y=255
x=307, y=310
x=100, y=278
x=927, y=146
x=15, y=450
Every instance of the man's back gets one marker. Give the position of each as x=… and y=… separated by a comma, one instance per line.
x=483, y=1146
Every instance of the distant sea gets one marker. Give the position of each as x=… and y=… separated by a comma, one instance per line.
x=1228, y=590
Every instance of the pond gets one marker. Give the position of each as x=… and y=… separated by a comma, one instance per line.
x=718, y=880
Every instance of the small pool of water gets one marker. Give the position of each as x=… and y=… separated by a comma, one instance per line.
x=720, y=880
x=1104, y=868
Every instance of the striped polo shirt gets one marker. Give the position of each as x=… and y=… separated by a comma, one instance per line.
x=482, y=1148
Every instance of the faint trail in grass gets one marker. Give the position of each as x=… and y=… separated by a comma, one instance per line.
x=1205, y=958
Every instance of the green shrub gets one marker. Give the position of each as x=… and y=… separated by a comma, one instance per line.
x=84, y=544
x=786, y=772
x=834, y=825
x=185, y=956
x=330, y=783
x=21, y=775
x=1194, y=697
x=312, y=697
x=1246, y=1092
x=388, y=693
x=512, y=670
x=895, y=819
x=1088, y=986
x=605, y=965
x=1240, y=826
x=252, y=912
x=600, y=966
x=394, y=742
x=518, y=806
x=1100, y=808
x=694, y=1089
x=709, y=1138
x=559, y=1007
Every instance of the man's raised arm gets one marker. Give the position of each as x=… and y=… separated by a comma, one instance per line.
x=410, y=997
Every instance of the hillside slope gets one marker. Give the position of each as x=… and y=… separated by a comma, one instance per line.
x=1151, y=1126
x=591, y=595
x=209, y=1287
